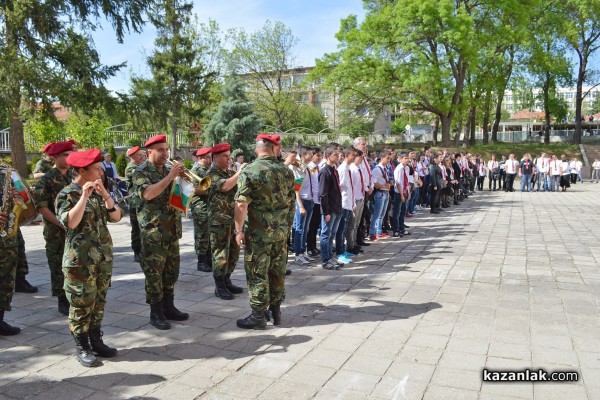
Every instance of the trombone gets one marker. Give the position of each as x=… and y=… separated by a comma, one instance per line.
x=190, y=177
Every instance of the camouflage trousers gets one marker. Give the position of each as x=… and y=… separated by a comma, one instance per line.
x=8, y=267
x=225, y=251
x=201, y=234
x=86, y=288
x=55, y=247
x=160, y=263
x=22, y=266
x=136, y=241
x=265, y=265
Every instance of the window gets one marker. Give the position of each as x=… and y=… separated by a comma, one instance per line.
x=326, y=112
x=569, y=95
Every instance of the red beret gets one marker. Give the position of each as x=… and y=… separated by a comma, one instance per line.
x=221, y=147
x=133, y=150
x=156, y=139
x=59, y=147
x=46, y=147
x=73, y=142
x=203, y=151
x=266, y=136
x=277, y=138
x=81, y=159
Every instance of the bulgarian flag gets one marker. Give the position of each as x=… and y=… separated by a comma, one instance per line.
x=298, y=183
x=20, y=186
x=181, y=193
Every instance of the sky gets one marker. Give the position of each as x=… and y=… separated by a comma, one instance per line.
x=313, y=22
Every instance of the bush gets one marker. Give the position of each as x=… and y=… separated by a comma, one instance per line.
x=121, y=164
x=113, y=153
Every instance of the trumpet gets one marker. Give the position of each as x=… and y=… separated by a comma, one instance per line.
x=190, y=177
x=298, y=161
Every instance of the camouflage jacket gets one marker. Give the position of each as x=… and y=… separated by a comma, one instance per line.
x=159, y=222
x=221, y=205
x=48, y=187
x=134, y=200
x=13, y=241
x=43, y=165
x=89, y=243
x=268, y=187
x=199, y=204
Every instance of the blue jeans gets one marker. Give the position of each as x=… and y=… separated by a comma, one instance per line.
x=541, y=181
x=328, y=231
x=526, y=180
x=340, y=235
x=399, y=213
x=300, y=227
x=413, y=199
x=379, y=209
x=554, y=184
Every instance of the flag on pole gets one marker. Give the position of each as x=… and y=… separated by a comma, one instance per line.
x=20, y=186
x=181, y=193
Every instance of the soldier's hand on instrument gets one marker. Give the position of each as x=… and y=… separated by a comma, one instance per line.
x=176, y=169
x=240, y=238
x=243, y=166
x=14, y=193
x=3, y=219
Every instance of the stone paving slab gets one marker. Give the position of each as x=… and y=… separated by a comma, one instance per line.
x=504, y=281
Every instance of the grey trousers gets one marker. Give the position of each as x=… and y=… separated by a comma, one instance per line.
x=353, y=224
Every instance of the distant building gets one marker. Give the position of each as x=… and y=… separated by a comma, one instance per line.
x=510, y=104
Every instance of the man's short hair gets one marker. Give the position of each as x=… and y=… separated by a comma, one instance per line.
x=359, y=153
x=317, y=150
x=383, y=153
x=348, y=150
x=358, y=140
x=302, y=150
x=329, y=150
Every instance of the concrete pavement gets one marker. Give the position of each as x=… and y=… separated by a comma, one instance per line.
x=504, y=281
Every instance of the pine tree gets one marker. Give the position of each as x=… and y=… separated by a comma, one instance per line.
x=235, y=121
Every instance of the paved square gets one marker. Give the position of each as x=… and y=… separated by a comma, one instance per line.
x=505, y=281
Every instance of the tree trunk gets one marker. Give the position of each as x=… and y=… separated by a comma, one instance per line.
x=459, y=127
x=436, y=126
x=498, y=116
x=486, y=116
x=472, y=126
x=579, y=99
x=467, y=131
x=173, y=125
x=546, y=94
x=445, y=121
x=17, y=143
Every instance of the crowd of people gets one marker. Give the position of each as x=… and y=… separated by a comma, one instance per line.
x=321, y=204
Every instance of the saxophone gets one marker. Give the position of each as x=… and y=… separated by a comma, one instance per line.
x=7, y=230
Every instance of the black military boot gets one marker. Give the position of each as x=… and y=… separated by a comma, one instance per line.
x=136, y=257
x=275, y=310
x=169, y=310
x=231, y=287
x=256, y=320
x=22, y=286
x=83, y=351
x=5, y=328
x=221, y=290
x=202, y=264
x=63, y=305
x=157, y=318
x=98, y=346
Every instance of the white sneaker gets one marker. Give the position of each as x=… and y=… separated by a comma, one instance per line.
x=418, y=208
x=307, y=257
x=300, y=260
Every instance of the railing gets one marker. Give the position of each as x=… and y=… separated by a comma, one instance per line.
x=128, y=138
x=4, y=141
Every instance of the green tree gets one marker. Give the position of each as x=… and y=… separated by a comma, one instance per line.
x=88, y=129
x=307, y=116
x=265, y=59
x=44, y=56
x=112, y=152
x=581, y=28
x=235, y=121
x=595, y=107
x=179, y=89
x=121, y=164
x=41, y=130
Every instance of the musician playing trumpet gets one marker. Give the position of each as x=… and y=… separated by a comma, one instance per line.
x=160, y=227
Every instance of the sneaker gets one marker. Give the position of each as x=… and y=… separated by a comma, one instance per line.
x=418, y=208
x=300, y=260
x=343, y=259
x=409, y=215
x=383, y=236
x=396, y=234
x=307, y=257
x=405, y=233
x=330, y=264
x=373, y=238
x=312, y=253
x=349, y=254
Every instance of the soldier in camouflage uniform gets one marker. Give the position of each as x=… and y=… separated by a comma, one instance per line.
x=45, y=194
x=44, y=164
x=199, y=207
x=266, y=197
x=221, y=206
x=137, y=156
x=21, y=284
x=160, y=227
x=8, y=264
x=84, y=207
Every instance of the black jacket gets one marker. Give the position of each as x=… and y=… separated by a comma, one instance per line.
x=329, y=191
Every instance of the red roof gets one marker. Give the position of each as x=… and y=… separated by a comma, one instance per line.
x=526, y=114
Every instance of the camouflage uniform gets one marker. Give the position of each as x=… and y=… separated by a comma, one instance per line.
x=45, y=194
x=199, y=208
x=9, y=248
x=22, y=266
x=221, y=205
x=134, y=202
x=268, y=187
x=88, y=259
x=160, y=228
x=43, y=165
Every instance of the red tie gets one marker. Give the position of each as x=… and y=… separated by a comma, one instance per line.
x=405, y=182
x=310, y=182
x=337, y=178
x=368, y=170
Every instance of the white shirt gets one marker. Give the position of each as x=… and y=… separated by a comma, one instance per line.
x=596, y=165
x=573, y=167
x=359, y=186
x=555, y=167
x=564, y=167
x=313, y=171
x=422, y=169
x=399, y=174
x=578, y=165
x=492, y=164
x=511, y=166
x=543, y=164
x=305, y=193
x=347, y=187
x=379, y=175
x=366, y=170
